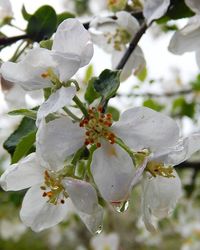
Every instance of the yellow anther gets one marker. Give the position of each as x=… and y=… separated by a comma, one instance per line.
x=158, y=169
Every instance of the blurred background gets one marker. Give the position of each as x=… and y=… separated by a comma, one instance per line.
x=169, y=84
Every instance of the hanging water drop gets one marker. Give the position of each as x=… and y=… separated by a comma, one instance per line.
x=99, y=230
x=121, y=207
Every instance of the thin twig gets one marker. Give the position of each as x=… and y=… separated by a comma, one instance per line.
x=189, y=165
x=132, y=46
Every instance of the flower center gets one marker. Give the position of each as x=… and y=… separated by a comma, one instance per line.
x=157, y=168
x=97, y=126
x=120, y=38
x=53, y=188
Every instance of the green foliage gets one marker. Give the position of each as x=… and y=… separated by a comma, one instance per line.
x=25, y=112
x=42, y=24
x=47, y=44
x=81, y=6
x=89, y=73
x=25, y=14
x=142, y=75
x=26, y=126
x=63, y=16
x=23, y=147
x=181, y=108
x=151, y=103
x=91, y=94
x=115, y=112
x=196, y=84
x=107, y=83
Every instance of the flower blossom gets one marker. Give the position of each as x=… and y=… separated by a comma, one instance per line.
x=42, y=68
x=113, y=36
x=112, y=167
x=46, y=202
x=187, y=39
x=5, y=9
x=162, y=188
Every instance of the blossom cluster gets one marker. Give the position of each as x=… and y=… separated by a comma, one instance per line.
x=143, y=146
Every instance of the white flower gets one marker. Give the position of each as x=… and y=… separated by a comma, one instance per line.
x=42, y=68
x=103, y=241
x=46, y=202
x=112, y=168
x=113, y=36
x=187, y=39
x=5, y=9
x=154, y=9
x=160, y=193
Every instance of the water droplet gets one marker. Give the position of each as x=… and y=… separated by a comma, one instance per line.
x=99, y=230
x=121, y=207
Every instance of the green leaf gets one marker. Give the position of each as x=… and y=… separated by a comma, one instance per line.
x=63, y=16
x=196, y=84
x=25, y=14
x=107, y=83
x=88, y=74
x=182, y=108
x=25, y=112
x=152, y=104
x=24, y=146
x=115, y=112
x=90, y=93
x=47, y=44
x=26, y=126
x=42, y=23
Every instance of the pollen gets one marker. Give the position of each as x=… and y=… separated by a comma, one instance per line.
x=97, y=126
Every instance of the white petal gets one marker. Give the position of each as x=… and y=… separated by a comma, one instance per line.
x=127, y=21
x=142, y=127
x=186, y=39
x=58, y=139
x=39, y=214
x=84, y=198
x=67, y=65
x=161, y=194
x=194, y=5
x=198, y=58
x=27, y=73
x=134, y=65
x=182, y=151
x=138, y=173
x=105, y=241
x=72, y=37
x=112, y=170
x=154, y=9
x=24, y=174
x=62, y=97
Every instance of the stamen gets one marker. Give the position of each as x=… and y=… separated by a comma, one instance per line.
x=97, y=126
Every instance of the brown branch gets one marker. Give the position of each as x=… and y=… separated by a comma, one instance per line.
x=189, y=165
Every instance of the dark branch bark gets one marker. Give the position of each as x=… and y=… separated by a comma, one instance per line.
x=10, y=40
x=189, y=165
x=132, y=46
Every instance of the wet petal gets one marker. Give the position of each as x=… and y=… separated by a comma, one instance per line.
x=154, y=9
x=26, y=173
x=62, y=97
x=39, y=214
x=112, y=170
x=182, y=151
x=186, y=39
x=65, y=40
x=142, y=127
x=160, y=195
x=127, y=21
x=58, y=139
x=84, y=198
